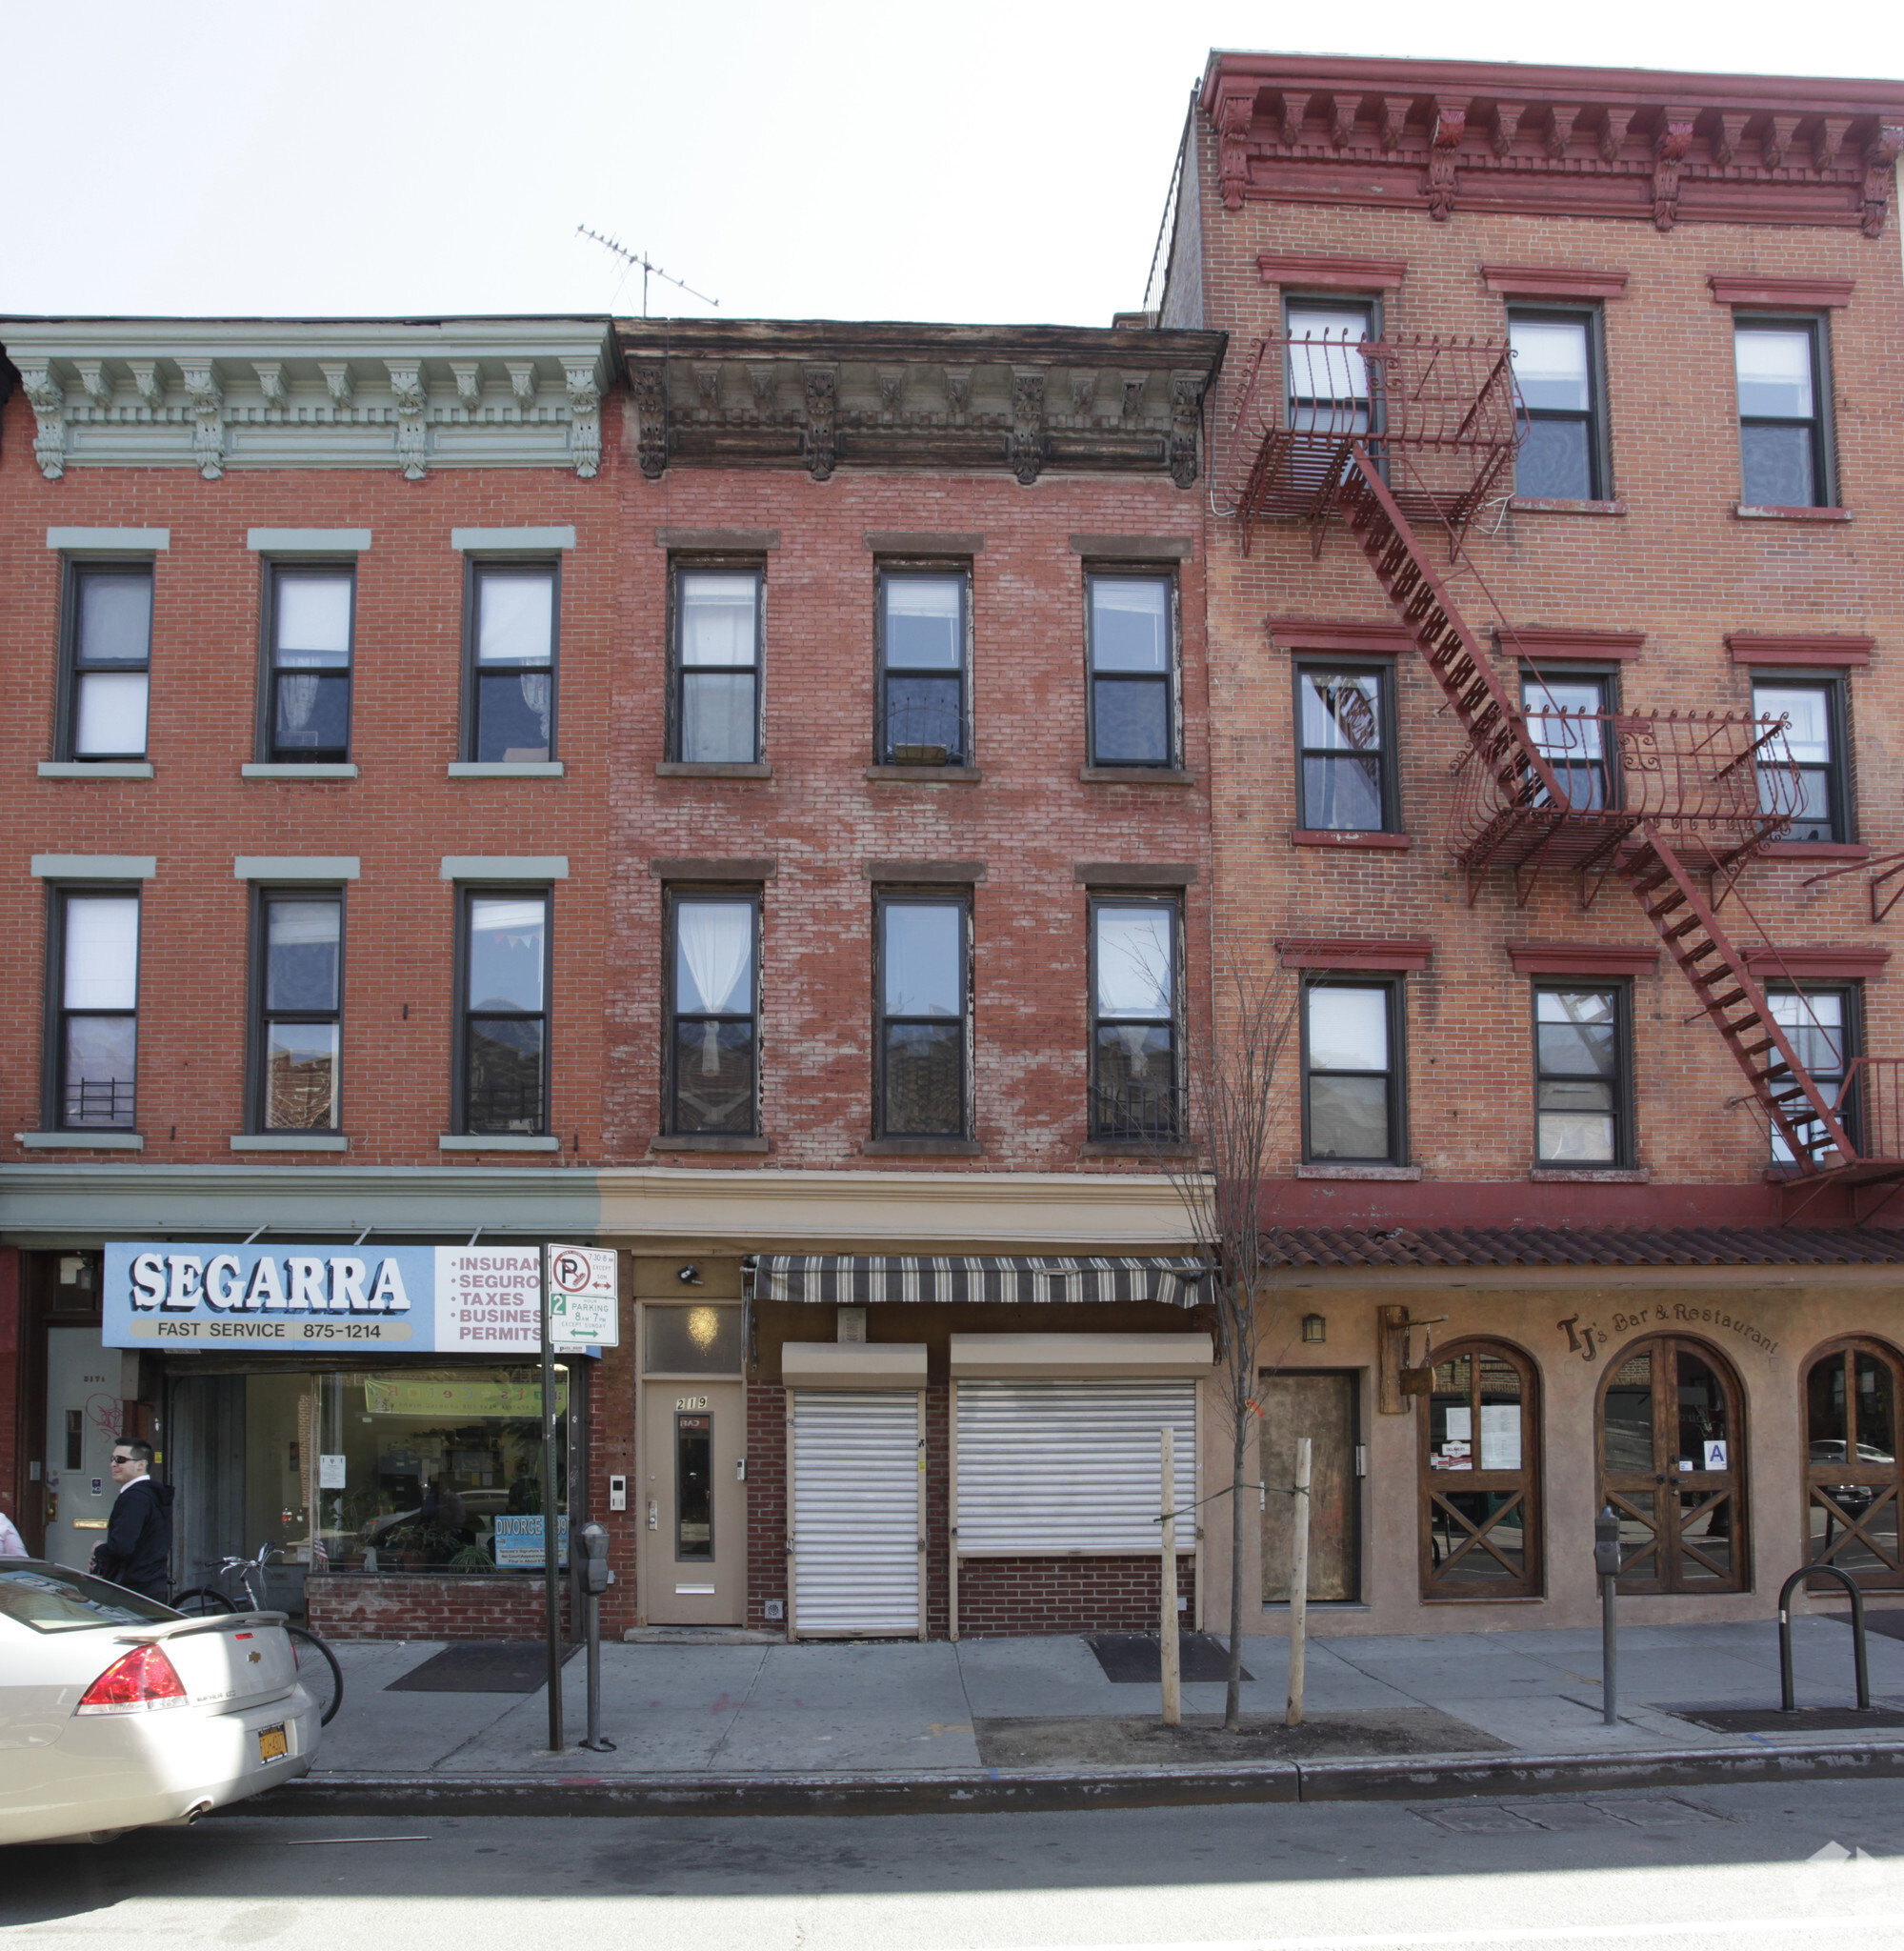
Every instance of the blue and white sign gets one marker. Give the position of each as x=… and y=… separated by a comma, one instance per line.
x=518, y=1543
x=418, y=1299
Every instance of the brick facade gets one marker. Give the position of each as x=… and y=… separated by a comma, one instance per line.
x=998, y=1597
x=417, y=1606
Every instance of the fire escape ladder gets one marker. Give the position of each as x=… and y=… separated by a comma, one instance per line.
x=1792, y=1103
x=1485, y=709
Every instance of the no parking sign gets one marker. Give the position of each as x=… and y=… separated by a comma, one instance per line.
x=583, y=1310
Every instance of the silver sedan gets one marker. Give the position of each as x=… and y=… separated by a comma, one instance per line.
x=116, y=1712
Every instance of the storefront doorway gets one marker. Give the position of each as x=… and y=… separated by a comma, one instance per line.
x=1851, y=1476
x=83, y=1412
x=1322, y=1407
x=1672, y=1437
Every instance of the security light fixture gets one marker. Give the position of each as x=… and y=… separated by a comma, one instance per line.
x=1315, y=1328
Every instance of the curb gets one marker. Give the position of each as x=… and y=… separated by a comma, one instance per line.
x=1054, y=1790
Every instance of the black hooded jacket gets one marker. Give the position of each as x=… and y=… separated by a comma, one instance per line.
x=137, y=1548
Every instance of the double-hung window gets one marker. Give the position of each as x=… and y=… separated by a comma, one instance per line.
x=1582, y=1076
x=1821, y=1025
x=299, y=989
x=95, y=1029
x=1132, y=668
x=1567, y=718
x=503, y=1017
x=510, y=712
x=924, y=990
x=1328, y=377
x=109, y=661
x=1561, y=456
x=1784, y=456
x=924, y=638
x=713, y=1083
x=1815, y=743
x=1352, y=1078
x=1133, y=1040
x=1347, y=764
x=717, y=652
x=309, y=660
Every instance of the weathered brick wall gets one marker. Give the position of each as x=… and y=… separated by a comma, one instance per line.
x=766, y=1503
x=392, y=1606
x=999, y=1597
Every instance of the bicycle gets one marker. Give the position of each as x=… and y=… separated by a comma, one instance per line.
x=316, y=1664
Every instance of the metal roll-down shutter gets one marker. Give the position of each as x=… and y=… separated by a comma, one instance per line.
x=858, y=1511
x=1071, y=1466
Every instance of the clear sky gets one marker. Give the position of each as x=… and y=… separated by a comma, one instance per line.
x=993, y=160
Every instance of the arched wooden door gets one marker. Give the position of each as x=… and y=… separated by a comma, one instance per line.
x=1671, y=1465
x=1852, y=1483
x=1481, y=1474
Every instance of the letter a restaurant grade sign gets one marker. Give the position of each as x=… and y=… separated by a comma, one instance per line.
x=582, y=1298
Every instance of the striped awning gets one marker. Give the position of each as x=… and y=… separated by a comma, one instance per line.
x=860, y=1279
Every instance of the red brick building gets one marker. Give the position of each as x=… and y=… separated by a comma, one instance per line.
x=1556, y=407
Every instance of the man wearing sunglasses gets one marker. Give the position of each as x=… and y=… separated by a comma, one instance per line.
x=137, y=1551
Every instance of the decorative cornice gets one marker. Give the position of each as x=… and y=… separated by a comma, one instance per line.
x=221, y=394
x=1354, y=952
x=1382, y=638
x=1308, y=271
x=1596, y=646
x=823, y=396
x=1554, y=141
x=1834, y=652
x=1583, y=957
x=1806, y=295
x=1553, y=281
x=1852, y=962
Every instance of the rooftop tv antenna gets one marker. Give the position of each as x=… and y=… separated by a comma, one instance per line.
x=648, y=270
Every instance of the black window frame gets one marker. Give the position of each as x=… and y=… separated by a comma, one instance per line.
x=1599, y=440
x=259, y=1016
x=1851, y=993
x=477, y=569
x=732, y=894
x=1836, y=771
x=1171, y=681
x=678, y=668
x=886, y=571
x=1394, y=988
x=277, y=572
x=934, y=896
x=1815, y=324
x=1607, y=678
x=468, y=893
x=66, y=715
x=1101, y=1129
x=1389, y=769
x=60, y=895
x=1626, y=1150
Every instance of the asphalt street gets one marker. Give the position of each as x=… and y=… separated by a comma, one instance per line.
x=1803, y=1865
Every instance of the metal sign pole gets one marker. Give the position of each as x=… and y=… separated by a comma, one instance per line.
x=552, y=1556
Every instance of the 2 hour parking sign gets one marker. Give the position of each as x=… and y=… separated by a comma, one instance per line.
x=583, y=1310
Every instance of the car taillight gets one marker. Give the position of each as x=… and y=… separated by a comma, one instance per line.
x=141, y=1678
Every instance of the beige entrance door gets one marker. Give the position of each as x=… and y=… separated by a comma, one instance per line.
x=694, y=1506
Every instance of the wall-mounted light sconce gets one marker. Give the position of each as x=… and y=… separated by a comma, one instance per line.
x=1315, y=1328
x=688, y=1276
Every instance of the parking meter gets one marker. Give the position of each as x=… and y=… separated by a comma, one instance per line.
x=1607, y=1564
x=1606, y=1544
x=597, y=1577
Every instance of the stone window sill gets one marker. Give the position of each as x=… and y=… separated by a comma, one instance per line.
x=1319, y=836
x=1526, y=504
x=922, y=1148
x=1136, y=1148
x=290, y=1142
x=1135, y=776
x=342, y=770
x=1591, y=1175
x=924, y=776
x=497, y=1141
x=707, y=1141
x=1401, y=1172
x=95, y=769
x=505, y=769
x=1815, y=850
x=81, y=1142
x=710, y=768
x=1745, y=512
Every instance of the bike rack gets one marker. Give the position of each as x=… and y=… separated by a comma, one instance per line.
x=1789, y=1702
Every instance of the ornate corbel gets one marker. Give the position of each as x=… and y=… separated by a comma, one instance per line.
x=412, y=434
x=271, y=382
x=337, y=383
x=1447, y=125
x=1027, y=449
x=1083, y=392
x=708, y=384
x=1233, y=115
x=1560, y=119
x=764, y=380
x=147, y=384
x=1613, y=125
x=1503, y=126
x=1775, y=138
x=1342, y=119
x=1880, y=178
x=892, y=383
x=47, y=397
x=1670, y=146
x=208, y=408
x=958, y=392
x=1292, y=112
x=1827, y=139
x=822, y=437
x=1391, y=119
x=1186, y=421
x=94, y=383
x=1720, y=139
x=648, y=382
x=521, y=381
x=468, y=374
x=1134, y=384
x=585, y=417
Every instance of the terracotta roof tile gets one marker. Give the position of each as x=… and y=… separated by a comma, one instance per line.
x=1583, y=1246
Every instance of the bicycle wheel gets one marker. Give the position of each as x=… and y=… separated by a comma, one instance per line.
x=202, y=1602
x=318, y=1669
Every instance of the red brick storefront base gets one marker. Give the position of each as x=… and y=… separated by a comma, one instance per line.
x=1001, y=1597
x=419, y=1606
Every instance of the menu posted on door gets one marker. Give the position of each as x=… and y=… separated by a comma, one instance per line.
x=584, y=1309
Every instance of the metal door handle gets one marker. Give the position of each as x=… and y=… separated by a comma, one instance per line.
x=654, y=1514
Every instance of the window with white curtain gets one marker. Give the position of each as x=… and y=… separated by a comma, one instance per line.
x=1134, y=1044
x=96, y=1013
x=718, y=648
x=510, y=718
x=505, y=1011
x=108, y=647
x=713, y=1080
x=313, y=627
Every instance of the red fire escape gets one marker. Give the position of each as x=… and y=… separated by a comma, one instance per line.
x=1385, y=435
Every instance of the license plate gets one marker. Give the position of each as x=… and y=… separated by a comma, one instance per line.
x=272, y=1743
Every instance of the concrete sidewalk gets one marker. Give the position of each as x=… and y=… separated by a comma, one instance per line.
x=882, y=1715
